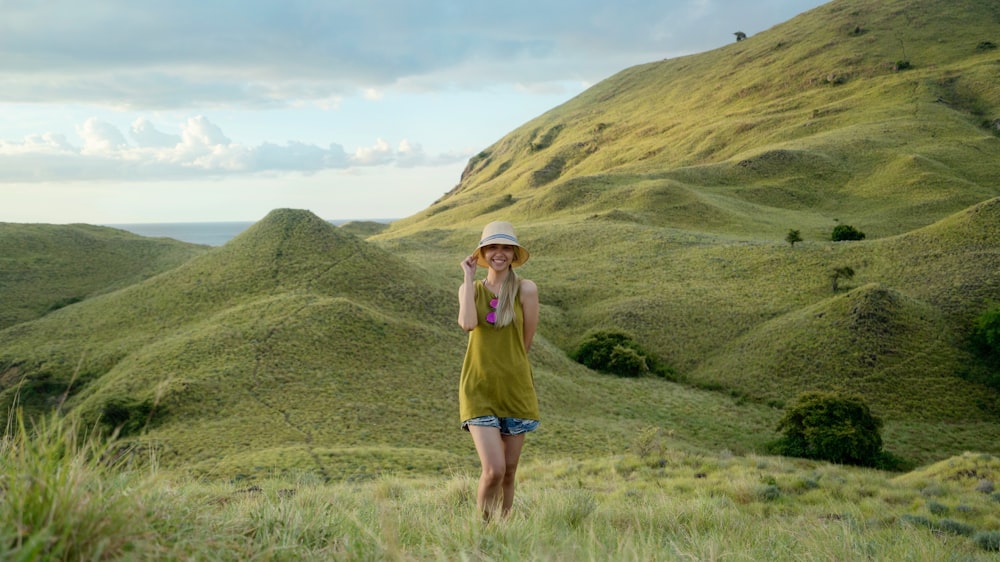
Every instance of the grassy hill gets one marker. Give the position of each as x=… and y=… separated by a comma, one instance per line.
x=46, y=267
x=656, y=202
x=805, y=123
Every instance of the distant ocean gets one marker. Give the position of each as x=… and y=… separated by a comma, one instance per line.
x=210, y=233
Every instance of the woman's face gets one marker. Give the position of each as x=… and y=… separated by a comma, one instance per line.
x=499, y=256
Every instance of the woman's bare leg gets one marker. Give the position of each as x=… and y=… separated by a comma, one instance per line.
x=512, y=455
x=490, y=447
x=499, y=456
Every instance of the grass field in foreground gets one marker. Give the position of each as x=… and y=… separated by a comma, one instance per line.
x=649, y=504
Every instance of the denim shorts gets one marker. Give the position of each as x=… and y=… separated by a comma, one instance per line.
x=507, y=426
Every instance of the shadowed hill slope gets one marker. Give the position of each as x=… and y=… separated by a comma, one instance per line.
x=46, y=267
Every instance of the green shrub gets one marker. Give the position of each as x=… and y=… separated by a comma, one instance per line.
x=953, y=527
x=769, y=493
x=843, y=232
x=615, y=352
x=917, y=521
x=987, y=540
x=838, y=273
x=127, y=417
x=937, y=508
x=627, y=362
x=830, y=427
x=985, y=334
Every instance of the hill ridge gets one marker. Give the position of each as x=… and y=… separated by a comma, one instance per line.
x=46, y=267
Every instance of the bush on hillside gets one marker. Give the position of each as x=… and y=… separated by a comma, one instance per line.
x=985, y=334
x=830, y=427
x=617, y=353
x=987, y=540
x=838, y=273
x=127, y=417
x=843, y=232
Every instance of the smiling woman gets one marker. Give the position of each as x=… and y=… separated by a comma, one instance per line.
x=496, y=400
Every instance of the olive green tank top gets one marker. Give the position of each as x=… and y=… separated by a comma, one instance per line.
x=496, y=376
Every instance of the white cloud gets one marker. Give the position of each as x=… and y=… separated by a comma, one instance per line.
x=379, y=153
x=201, y=149
x=410, y=154
x=200, y=132
x=145, y=134
x=36, y=144
x=100, y=138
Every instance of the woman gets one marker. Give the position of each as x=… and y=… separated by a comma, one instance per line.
x=497, y=398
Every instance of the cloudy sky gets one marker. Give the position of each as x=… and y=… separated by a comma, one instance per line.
x=126, y=111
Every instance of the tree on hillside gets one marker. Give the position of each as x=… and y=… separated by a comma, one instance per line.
x=985, y=334
x=830, y=427
x=838, y=273
x=793, y=236
x=846, y=232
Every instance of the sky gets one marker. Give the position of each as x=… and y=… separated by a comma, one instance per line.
x=146, y=111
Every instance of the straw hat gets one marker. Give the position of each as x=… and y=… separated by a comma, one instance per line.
x=501, y=233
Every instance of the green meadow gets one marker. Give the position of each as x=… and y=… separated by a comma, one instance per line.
x=292, y=394
x=85, y=501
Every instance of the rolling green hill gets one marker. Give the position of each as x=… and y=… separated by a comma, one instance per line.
x=656, y=202
x=805, y=123
x=45, y=267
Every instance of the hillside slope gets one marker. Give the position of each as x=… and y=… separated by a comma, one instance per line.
x=807, y=122
x=221, y=321
x=46, y=267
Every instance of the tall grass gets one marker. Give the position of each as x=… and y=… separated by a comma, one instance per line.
x=62, y=497
x=65, y=495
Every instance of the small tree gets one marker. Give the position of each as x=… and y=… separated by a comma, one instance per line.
x=829, y=427
x=985, y=334
x=846, y=232
x=792, y=237
x=838, y=273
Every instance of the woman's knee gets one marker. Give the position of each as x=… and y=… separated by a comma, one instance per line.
x=509, y=473
x=494, y=474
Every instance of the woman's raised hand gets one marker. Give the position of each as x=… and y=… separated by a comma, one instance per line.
x=469, y=265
